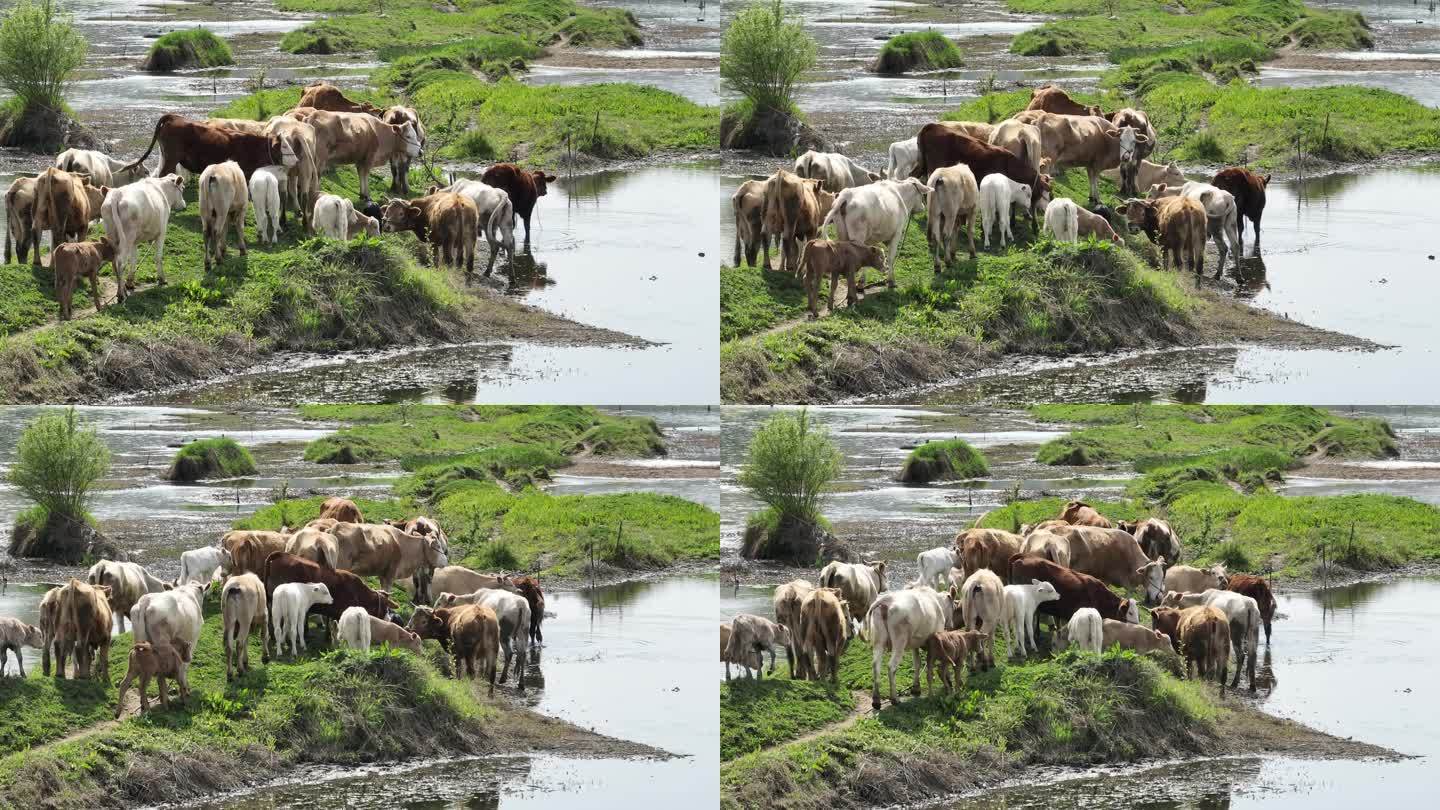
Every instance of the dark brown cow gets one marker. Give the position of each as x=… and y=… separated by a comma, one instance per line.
x=326, y=96
x=1258, y=589
x=1167, y=620
x=1248, y=189
x=1052, y=99
x=1076, y=590
x=529, y=588
x=196, y=144
x=346, y=589
x=940, y=147
x=525, y=187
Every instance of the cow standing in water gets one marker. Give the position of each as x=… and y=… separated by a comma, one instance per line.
x=525, y=187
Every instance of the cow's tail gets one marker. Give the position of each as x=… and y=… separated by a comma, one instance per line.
x=837, y=209
x=137, y=623
x=867, y=627
x=148, y=149
x=804, y=255
x=504, y=210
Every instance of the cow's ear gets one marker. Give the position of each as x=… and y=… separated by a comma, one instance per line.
x=104, y=190
x=413, y=210
x=550, y=178
x=1142, y=138
x=1114, y=133
x=1265, y=180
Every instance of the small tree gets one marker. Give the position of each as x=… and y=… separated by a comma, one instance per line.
x=39, y=52
x=763, y=55
x=58, y=461
x=789, y=464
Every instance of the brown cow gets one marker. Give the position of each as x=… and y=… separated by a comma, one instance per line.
x=835, y=258
x=400, y=164
x=1115, y=557
x=74, y=261
x=792, y=214
x=1079, y=513
x=823, y=633
x=342, y=510
x=84, y=626
x=450, y=222
x=1179, y=224
x=748, y=205
x=197, y=144
x=1205, y=639
x=470, y=632
x=1050, y=98
x=326, y=96
x=987, y=548
x=940, y=147
x=1258, y=589
x=1167, y=620
x=1076, y=590
x=346, y=589
x=358, y=139
x=525, y=188
x=19, y=211
x=1089, y=141
x=64, y=205
x=158, y=661
x=529, y=588
x=248, y=550
x=1248, y=189
x=953, y=649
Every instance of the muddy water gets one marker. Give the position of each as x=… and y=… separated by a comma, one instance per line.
x=629, y=250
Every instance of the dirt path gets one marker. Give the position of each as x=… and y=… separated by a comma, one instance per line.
x=863, y=706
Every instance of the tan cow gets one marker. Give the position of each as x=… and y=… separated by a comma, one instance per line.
x=825, y=629
x=375, y=549
x=978, y=130
x=242, y=607
x=224, y=195
x=239, y=125
x=326, y=96
x=1092, y=224
x=84, y=627
x=158, y=661
x=792, y=214
x=835, y=258
x=1135, y=637
x=249, y=549
x=1080, y=513
x=1156, y=538
x=861, y=584
x=950, y=210
x=787, y=601
x=1205, y=640
x=360, y=140
x=1086, y=141
x=450, y=222
x=19, y=213
x=987, y=548
x=49, y=625
x=73, y=262
x=748, y=206
x=317, y=545
x=1020, y=139
x=341, y=510
x=302, y=183
x=459, y=579
x=1048, y=545
x=64, y=207
x=1053, y=99
x=1114, y=557
x=400, y=164
x=1189, y=579
x=1177, y=224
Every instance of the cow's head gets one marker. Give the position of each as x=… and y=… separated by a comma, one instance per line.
x=1130, y=611
x=1265, y=181
x=1139, y=214
x=913, y=192
x=428, y=623
x=106, y=249
x=540, y=178
x=804, y=163
x=874, y=257
x=173, y=187
x=878, y=566
x=1222, y=576
x=34, y=636
x=292, y=150
x=1159, y=190
x=1040, y=195
x=1152, y=574
x=1130, y=143
x=435, y=555
x=319, y=593
x=401, y=215
x=411, y=139
x=1172, y=599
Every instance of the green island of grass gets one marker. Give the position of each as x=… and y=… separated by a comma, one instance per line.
x=950, y=459
x=218, y=457
x=917, y=50
x=186, y=49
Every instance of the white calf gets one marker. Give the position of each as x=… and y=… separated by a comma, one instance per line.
x=878, y=212
x=935, y=566
x=1062, y=220
x=1086, y=630
x=904, y=157
x=1021, y=602
x=288, y=606
x=265, y=185
x=951, y=205
x=332, y=216
x=223, y=198
x=355, y=629
x=997, y=194
x=137, y=213
x=200, y=564
x=904, y=620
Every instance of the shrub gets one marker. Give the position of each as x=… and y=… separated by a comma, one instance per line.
x=762, y=55
x=57, y=462
x=220, y=457
x=39, y=51
x=788, y=465
x=918, y=50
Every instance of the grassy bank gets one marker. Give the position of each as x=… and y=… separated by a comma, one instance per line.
x=478, y=469
x=1073, y=710
x=1041, y=298
x=1212, y=471
x=948, y=459
x=918, y=50
x=60, y=749
x=218, y=457
x=188, y=49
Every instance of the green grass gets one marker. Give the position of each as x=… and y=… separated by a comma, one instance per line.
x=950, y=459
x=187, y=49
x=27, y=297
x=218, y=457
x=354, y=26
x=334, y=707
x=1072, y=709
x=918, y=50
x=756, y=714
x=1043, y=298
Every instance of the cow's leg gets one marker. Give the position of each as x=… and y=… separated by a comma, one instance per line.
x=890, y=259
x=160, y=260
x=930, y=661
x=875, y=655
x=1255, y=220
x=895, y=656
x=240, y=230
x=364, y=172
x=1094, y=187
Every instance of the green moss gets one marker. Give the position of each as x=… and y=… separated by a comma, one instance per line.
x=187, y=49
x=219, y=457
x=918, y=50
x=951, y=459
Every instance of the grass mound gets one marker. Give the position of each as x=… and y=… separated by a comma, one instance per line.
x=219, y=457
x=756, y=714
x=950, y=459
x=187, y=49
x=917, y=50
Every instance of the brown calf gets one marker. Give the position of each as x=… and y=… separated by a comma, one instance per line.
x=158, y=661
x=1053, y=99
x=326, y=96
x=74, y=261
x=342, y=510
x=470, y=632
x=835, y=258
x=952, y=649
x=1205, y=640
x=1177, y=223
x=1080, y=513
x=450, y=222
x=525, y=188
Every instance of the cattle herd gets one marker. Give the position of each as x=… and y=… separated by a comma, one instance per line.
x=272, y=582
x=958, y=171
x=272, y=167
x=1068, y=569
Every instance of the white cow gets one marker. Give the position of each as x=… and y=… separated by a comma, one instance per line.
x=355, y=629
x=200, y=564
x=982, y=601
x=835, y=171
x=860, y=584
x=513, y=611
x=904, y=157
x=878, y=212
x=1018, y=617
x=1062, y=219
x=950, y=206
x=242, y=607
x=288, y=606
x=102, y=169
x=1222, y=216
x=170, y=616
x=140, y=212
x=936, y=565
x=337, y=218
x=903, y=620
x=497, y=216
x=997, y=194
x=265, y=185
x=128, y=583
x=1085, y=630
x=224, y=195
